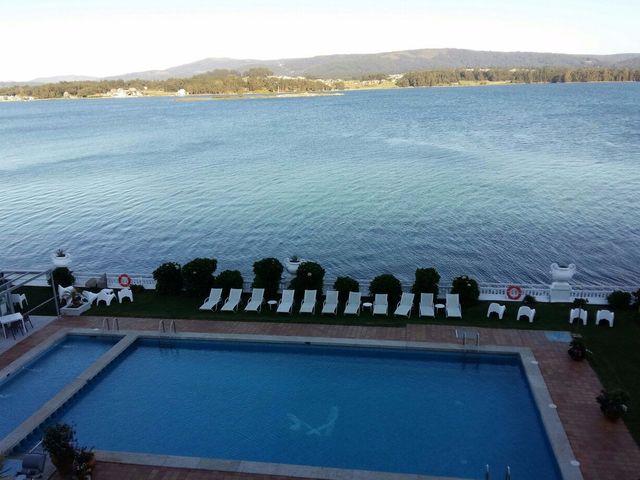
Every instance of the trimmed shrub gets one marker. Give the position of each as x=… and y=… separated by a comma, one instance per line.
x=135, y=288
x=619, y=300
x=427, y=280
x=61, y=276
x=229, y=279
x=198, y=276
x=388, y=284
x=468, y=290
x=168, y=277
x=344, y=285
x=636, y=298
x=268, y=274
x=529, y=300
x=310, y=276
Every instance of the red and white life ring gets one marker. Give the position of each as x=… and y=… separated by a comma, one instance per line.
x=124, y=280
x=514, y=292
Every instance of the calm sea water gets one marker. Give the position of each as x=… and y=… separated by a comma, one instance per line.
x=496, y=182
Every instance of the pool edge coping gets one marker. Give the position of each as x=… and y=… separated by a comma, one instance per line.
x=554, y=429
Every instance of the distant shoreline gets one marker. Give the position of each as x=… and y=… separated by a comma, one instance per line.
x=259, y=95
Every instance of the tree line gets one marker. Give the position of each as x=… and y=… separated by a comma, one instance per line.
x=214, y=82
x=430, y=78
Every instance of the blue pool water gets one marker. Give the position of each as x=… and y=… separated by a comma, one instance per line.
x=397, y=411
x=496, y=182
x=30, y=388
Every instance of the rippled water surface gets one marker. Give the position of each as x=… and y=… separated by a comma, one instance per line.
x=497, y=182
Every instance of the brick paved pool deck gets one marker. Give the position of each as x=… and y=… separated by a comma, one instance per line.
x=605, y=449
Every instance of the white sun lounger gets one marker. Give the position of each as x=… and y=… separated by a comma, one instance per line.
x=452, y=307
x=212, y=301
x=90, y=297
x=353, y=304
x=330, y=304
x=256, y=300
x=309, y=301
x=232, y=301
x=426, y=305
x=405, y=305
x=381, y=304
x=528, y=313
x=286, y=302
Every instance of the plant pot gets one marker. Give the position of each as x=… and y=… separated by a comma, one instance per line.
x=577, y=354
x=562, y=274
x=63, y=465
x=63, y=261
x=614, y=412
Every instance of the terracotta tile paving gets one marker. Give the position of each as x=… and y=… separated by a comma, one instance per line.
x=605, y=449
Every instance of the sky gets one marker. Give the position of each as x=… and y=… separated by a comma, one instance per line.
x=43, y=38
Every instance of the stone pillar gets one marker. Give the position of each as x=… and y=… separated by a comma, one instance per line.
x=560, y=290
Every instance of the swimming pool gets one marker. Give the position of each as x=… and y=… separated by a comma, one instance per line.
x=27, y=389
x=390, y=410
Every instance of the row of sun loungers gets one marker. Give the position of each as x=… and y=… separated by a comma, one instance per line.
x=353, y=306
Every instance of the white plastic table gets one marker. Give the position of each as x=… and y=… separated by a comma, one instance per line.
x=438, y=307
x=272, y=303
x=368, y=305
x=9, y=319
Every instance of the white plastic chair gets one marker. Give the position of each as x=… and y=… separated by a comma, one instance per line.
x=309, y=301
x=232, y=301
x=527, y=312
x=452, y=307
x=578, y=314
x=606, y=316
x=90, y=297
x=125, y=293
x=330, y=304
x=353, y=304
x=381, y=304
x=256, y=300
x=286, y=302
x=426, y=308
x=105, y=295
x=19, y=299
x=496, y=308
x=212, y=301
x=405, y=305
x=64, y=292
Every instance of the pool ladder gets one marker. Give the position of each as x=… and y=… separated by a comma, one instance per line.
x=466, y=339
x=108, y=323
x=162, y=329
x=507, y=473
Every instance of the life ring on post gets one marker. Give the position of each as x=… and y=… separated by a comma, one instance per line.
x=124, y=280
x=514, y=292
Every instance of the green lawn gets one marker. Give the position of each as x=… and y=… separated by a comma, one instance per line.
x=615, y=351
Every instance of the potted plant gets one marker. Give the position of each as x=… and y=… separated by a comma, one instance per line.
x=83, y=463
x=614, y=403
x=577, y=349
x=59, y=442
x=61, y=258
x=580, y=304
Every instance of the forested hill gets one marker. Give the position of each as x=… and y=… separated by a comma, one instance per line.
x=357, y=65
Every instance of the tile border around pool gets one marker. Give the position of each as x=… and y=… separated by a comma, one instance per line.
x=551, y=421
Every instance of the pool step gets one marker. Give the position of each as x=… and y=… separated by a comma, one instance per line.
x=162, y=329
x=468, y=337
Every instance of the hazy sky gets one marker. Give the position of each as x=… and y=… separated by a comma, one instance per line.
x=99, y=38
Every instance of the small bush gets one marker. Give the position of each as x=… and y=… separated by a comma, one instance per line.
x=388, y=284
x=344, y=285
x=61, y=276
x=468, y=290
x=619, y=300
x=427, y=280
x=613, y=403
x=229, y=279
x=135, y=288
x=636, y=298
x=168, y=277
x=529, y=300
x=198, y=276
x=310, y=276
x=268, y=274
